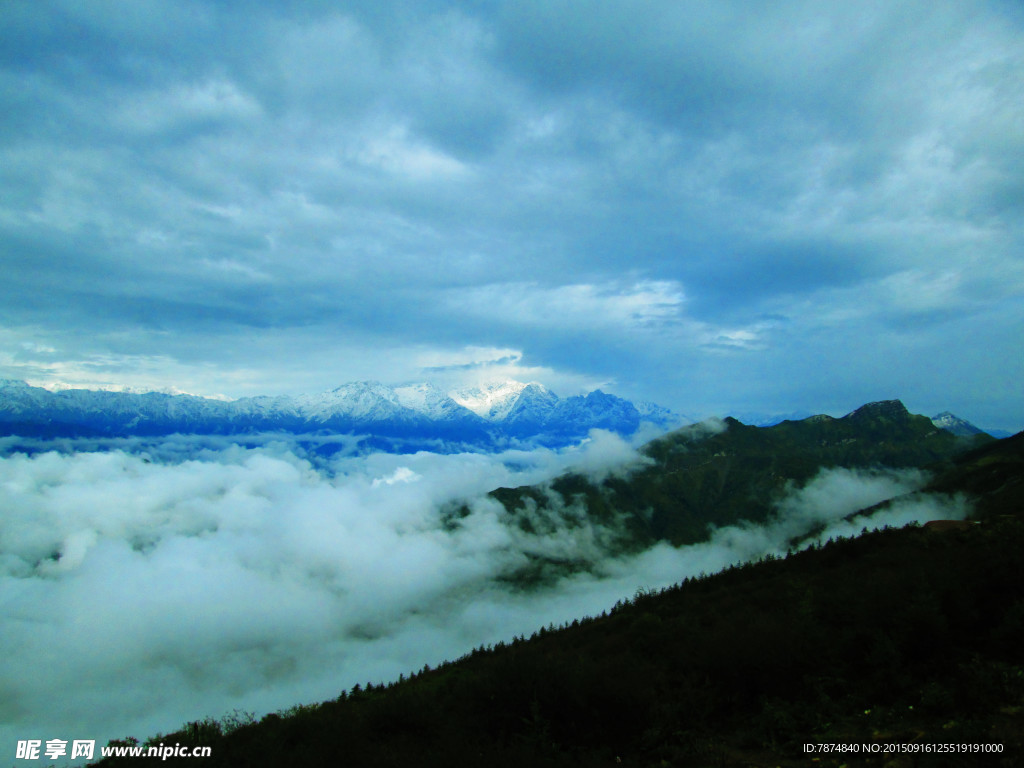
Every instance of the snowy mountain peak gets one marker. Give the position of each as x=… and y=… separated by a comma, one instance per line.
x=363, y=387
x=417, y=395
x=358, y=399
x=491, y=401
x=657, y=414
x=955, y=424
x=427, y=399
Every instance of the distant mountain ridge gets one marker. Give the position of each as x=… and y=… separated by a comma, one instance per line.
x=944, y=420
x=486, y=415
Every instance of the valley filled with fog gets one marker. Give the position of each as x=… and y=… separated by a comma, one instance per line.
x=146, y=584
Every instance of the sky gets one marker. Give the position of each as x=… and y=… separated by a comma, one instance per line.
x=717, y=206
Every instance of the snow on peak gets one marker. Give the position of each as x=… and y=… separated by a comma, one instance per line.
x=357, y=399
x=511, y=408
x=427, y=399
x=492, y=401
x=954, y=424
x=419, y=396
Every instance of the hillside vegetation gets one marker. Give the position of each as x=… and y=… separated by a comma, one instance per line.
x=718, y=474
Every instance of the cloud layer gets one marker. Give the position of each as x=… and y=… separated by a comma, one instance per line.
x=799, y=207
x=138, y=593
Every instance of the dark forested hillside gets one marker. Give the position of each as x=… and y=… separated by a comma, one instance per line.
x=901, y=636
x=992, y=475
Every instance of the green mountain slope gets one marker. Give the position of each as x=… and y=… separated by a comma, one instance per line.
x=719, y=474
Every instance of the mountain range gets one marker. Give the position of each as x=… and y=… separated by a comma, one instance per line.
x=393, y=418
x=491, y=415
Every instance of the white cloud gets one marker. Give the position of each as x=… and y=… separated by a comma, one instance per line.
x=473, y=366
x=400, y=475
x=141, y=594
x=641, y=304
x=395, y=151
x=183, y=105
x=603, y=454
x=469, y=357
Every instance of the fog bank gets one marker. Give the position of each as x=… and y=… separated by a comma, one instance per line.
x=139, y=593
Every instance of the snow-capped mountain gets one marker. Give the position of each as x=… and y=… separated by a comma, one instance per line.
x=435, y=404
x=35, y=411
x=533, y=410
x=600, y=410
x=490, y=401
x=356, y=401
x=661, y=416
x=489, y=415
x=955, y=424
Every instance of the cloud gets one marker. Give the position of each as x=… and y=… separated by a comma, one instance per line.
x=139, y=593
x=467, y=359
x=581, y=306
x=400, y=475
x=806, y=516
x=818, y=510
x=603, y=454
x=186, y=107
x=392, y=151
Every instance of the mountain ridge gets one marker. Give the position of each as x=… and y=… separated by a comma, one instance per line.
x=486, y=416
x=719, y=472
x=952, y=423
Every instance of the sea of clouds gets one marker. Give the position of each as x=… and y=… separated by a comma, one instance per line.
x=152, y=583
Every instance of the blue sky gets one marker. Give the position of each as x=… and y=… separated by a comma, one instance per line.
x=718, y=206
